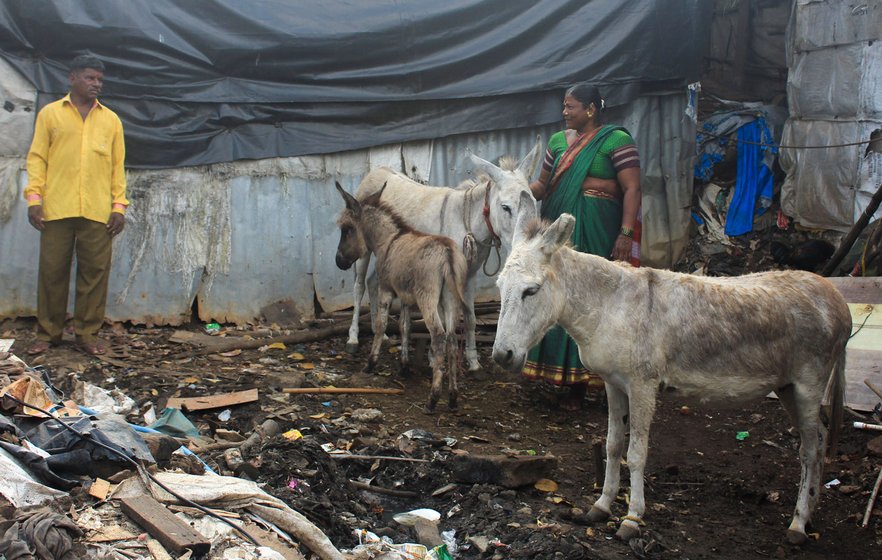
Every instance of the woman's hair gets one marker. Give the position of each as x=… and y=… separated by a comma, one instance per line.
x=586, y=94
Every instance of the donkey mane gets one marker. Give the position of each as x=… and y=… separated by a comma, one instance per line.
x=397, y=220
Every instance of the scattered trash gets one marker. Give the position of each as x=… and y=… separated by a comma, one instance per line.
x=741, y=436
x=832, y=483
x=173, y=422
x=545, y=485
x=425, y=523
x=865, y=426
x=367, y=415
x=225, y=415
x=212, y=328
x=292, y=435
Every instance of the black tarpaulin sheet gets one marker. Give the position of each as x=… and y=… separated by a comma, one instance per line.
x=206, y=81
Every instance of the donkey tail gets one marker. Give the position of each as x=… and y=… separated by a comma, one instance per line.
x=457, y=273
x=837, y=401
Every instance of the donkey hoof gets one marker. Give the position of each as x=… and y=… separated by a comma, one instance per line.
x=627, y=532
x=452, y=404
x=795, y=537
x=405, y=371
x=430, y=406
x=596, y=515
x=369, y=367
x=352, y=348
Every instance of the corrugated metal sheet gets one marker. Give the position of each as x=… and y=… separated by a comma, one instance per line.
x=834, y=89
x=236, y=237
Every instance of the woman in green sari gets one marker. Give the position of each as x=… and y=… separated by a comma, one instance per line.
x=591, y=171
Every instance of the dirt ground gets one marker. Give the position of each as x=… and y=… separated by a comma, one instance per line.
x=709, y=494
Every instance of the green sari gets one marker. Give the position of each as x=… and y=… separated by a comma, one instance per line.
x=598, y=221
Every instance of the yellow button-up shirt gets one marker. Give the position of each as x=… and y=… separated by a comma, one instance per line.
x=75, y=165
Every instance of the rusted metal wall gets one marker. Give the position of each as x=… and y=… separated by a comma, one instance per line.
x=234, y=238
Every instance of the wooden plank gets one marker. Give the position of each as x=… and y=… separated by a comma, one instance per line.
x=859, y=290
x=860, y=365
x=863, y=359
x=174, y=534
x=213, y=401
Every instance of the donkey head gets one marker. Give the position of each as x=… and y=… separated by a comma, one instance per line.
x=531, y=295
x=351, y=246
x=508, y=181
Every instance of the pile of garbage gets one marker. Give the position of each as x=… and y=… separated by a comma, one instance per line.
x=90, y=473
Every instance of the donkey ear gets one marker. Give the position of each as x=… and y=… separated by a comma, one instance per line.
x=493, y=171
x=527, y=166
x=374, y=198
x=557, y=234
x=351, y=202
x=527, y=212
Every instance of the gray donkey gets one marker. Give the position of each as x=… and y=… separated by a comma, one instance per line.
x=723, y=340
x=422, y=270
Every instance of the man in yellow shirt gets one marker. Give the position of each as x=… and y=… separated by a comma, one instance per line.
x=76, y=197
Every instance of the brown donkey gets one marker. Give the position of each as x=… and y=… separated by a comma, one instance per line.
x=424, y=270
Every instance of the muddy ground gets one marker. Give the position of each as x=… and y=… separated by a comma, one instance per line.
x=709, y=493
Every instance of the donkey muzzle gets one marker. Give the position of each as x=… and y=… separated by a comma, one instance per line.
x=342, y=262
x=508, y=358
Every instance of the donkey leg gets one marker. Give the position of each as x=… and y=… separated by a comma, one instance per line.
x=404, y=324
x=617, y=426
x=804, y=407
x=452, y=372
x=436, y=332
x=471, y=349
x=641, y=409
x=385, y=300
x=361, y=266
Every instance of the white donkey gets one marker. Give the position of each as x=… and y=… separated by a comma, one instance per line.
x=715, y=339
x=478, y=216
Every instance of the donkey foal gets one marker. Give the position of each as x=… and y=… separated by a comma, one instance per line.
x=424, y=270
x=717, y=339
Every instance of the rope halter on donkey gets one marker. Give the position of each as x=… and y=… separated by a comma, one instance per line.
x=469, y=242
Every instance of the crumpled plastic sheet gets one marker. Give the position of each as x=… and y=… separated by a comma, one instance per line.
x=20, y=488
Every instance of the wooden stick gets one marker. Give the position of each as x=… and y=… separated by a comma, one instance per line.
x=852, y=236
x=340, y=390
x=306, y=335
x=375, y=457
x=381, y=490
x=873, y=388
x=875, y=493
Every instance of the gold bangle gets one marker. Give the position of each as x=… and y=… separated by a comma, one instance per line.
x=627, y=232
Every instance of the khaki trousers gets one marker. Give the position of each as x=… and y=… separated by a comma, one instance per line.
x=92, y=245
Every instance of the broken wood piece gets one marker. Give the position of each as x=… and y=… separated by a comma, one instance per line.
x=156, y=550
x=111, y=533
x=502, y=470
x=872, y=500
x=213, y=401
x=341, y=390
x=99, y=489
x=386, y=491
x=164, y=526
x=306, y=335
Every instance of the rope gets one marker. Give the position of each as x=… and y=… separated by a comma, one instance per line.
x=728, y=137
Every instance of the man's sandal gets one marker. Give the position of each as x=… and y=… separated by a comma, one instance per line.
x=92, y=348
x=39, y=347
